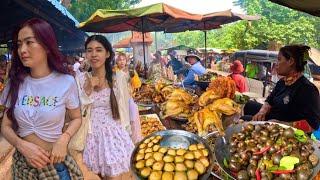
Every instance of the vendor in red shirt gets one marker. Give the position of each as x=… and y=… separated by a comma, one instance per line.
x=241, y=83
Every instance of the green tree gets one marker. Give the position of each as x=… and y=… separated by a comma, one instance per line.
x=82, y=9
x=277, y=23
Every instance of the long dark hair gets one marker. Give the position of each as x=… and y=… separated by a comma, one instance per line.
x=44, y=34
x=299, y=53
x=109, y=73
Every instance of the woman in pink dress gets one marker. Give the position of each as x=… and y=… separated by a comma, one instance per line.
x=108, y=144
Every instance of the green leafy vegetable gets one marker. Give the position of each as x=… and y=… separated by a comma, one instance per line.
x=288, y=162
x=225, y=163
x=300, y=135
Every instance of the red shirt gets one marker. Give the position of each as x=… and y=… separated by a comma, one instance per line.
x=241, y=82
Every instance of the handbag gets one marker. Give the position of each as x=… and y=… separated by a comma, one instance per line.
x=78, y=140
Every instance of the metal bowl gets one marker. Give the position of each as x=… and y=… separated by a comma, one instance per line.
x=222, y=145
x=175, y=139
x=144, y=104
x=214, y=135
x=177, y=118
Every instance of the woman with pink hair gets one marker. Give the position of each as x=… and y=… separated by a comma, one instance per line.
x=39, y=94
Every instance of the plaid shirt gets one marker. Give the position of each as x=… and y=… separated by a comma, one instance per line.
x=21, y=170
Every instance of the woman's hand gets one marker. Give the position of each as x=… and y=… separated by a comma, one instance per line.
x=260, y=116
x=59, y=149
x=90, y=83
x=34, y=154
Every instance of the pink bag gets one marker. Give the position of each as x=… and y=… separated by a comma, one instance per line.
x=135, y=122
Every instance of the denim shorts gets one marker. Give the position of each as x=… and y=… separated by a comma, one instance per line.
x=62, y=171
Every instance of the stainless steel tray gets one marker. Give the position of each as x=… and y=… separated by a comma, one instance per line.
x=176, y=139
x=222, y=149
x=145, y=104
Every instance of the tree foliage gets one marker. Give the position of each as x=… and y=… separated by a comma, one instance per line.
x=82, y=9
x=277, y=24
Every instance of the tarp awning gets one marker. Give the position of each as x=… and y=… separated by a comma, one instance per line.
x=146, y=18
x=135, y=38
x=309, y=6
x=69, y=37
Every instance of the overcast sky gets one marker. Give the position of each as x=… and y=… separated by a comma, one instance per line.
x=197, y=6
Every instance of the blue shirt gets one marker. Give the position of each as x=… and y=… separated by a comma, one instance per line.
x=197, y=69
x=176, y=65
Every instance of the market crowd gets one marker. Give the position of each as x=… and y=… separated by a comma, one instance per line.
x=54, y=104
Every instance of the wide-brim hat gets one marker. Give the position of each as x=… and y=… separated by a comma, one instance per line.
x=237, y=67
x=192, y=55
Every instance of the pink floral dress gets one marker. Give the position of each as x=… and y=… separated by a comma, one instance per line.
x=109, y=146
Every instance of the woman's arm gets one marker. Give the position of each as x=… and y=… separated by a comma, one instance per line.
x=261, y=115
x=34, y=154
x=59, y=149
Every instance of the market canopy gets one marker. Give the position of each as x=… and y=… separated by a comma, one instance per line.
x=15, y=12
x=180, y=47
x=143, y=19
x=136, y=37
x=309, y=6
x=210, y=21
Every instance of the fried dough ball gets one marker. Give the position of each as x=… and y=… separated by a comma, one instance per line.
x=189, y=156
x=148, y=150
x=200, y=146
x=143, y=145
x=167, y=176
x=141, y=151
x=189, y=164
x=155, y=175
x=150, y=162
x=171, y=152
x=192, y=174
x=178, y=159
x=199, y=167
x=148, y=155
x=145, y=172
x=205, y=152
x=140, y=164
x=180, y=152
x=180, y=176
x=168, y=158
x=197, y=154
x=150, y=144
x=155, y=141
x=146, y=141
x=180, y=167
x=157, y=166
x=158, y=156
x=193, y=147
x=163, y=150
x=204, y=161
x=139, y=157
x=158, y=137
x=156, y=148
x=169, y=167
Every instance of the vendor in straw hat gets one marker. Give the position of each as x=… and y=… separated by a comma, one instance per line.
x=196, y=68
x=241, y=83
